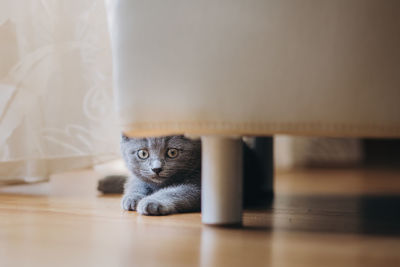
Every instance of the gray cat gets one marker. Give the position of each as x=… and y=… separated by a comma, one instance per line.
x=165, y=175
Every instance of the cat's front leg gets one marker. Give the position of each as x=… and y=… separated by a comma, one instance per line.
x=172, y=199
x=135, y=190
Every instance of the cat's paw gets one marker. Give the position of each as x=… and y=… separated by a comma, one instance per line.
x=130, y=202
x=149, y=206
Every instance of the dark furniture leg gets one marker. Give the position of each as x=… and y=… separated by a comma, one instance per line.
x=258, y=172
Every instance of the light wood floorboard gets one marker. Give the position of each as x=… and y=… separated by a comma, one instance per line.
x=322, y=217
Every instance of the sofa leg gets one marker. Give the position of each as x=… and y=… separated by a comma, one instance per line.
x=264, y=148
x=222, y=164
x=258, y=172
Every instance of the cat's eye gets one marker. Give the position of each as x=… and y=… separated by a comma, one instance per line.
x=172, y=153
x=143, y=154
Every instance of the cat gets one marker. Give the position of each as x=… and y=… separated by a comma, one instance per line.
x=165, y=175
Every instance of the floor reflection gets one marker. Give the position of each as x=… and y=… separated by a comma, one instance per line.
x=231, y=247
x=365, y=214
x=304, y=228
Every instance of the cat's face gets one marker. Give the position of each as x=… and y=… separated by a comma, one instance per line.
x=158, y=160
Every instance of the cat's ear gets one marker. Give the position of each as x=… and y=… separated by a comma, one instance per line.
x=124, y=137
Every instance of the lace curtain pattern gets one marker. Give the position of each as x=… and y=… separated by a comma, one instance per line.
x=56, y=109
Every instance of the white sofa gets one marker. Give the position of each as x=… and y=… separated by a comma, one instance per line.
x=230, y=68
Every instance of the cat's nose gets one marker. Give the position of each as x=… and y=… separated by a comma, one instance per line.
x=156, y=170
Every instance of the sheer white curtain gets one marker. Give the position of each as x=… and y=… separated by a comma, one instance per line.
x=56, y=109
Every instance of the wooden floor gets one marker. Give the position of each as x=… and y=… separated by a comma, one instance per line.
x=319, y=218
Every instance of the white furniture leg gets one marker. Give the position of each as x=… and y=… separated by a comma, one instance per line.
x=221, y=197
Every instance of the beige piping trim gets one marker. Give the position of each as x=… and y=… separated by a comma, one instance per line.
x=259, y=129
